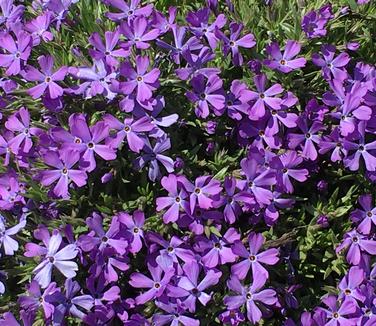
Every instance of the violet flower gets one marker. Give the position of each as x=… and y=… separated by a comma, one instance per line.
x=39, y=26
x=64, y=172
x=367, y=216
x=17, y=52
x=176, y=200
x=60, y=259
x=128, y=11
x=156, y=285
x=349, y=285
x=337, y=313
x=253, y=258
x=134, y=225
x=190, y=288
x=144, y=82
x=250, y=295
x=207, y=94
x=47, y=78
x=284, y=62
x=6, y=241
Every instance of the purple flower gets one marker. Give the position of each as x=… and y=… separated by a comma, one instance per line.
x=20, y=123
x=232, y=317
x=128, y=11
x=98, y=238
x=309, y=138
x=330, y=65
x=349, y=285
x=289, y=161
x=250, y=295
x=85, y=140
x=134, y=225
x=97, y=80
x=235, y=102
x=203, y=192
x=11, y=14
x=176, y=200
x=334, y=143
x=360, y=150
x=337, y=313
x=153, y=156
x=63, y=163
x=253, y=259
x=138, y=33
x=233, y=43
x=175, y=315
x=262, y=97
x=129, y=129
x=156, y=285
x=46, y=77
x=257, y=181
x=179, y=33
x=367, y=216
x=207, y=94
x=70, y=303
x=107, y=51
x=357, y=245
x=216, y=251
x=284, y=62
x=199, y=24
x=37, y=299
x=39, y=26
x=190, y=288
x=61, y=259
x=314, y=22
x=144, y=82
x=6, y=241
x=17, y=52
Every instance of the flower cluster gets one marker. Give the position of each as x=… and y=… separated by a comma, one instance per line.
x=159, y=164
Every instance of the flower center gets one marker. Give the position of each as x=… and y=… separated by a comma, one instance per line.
x=177, y=199
x=194, y=291
x=355, y=239
x=202, y=96
x=139, y=78
x=347, y=291
x=307, y=135
x=284, y=170
x=217, y=245
x=282, y=62
x=51, y=259
x=157, y=285
x=232, y=43
x=104, y=239
x=261, y=133
x=249, y=296
x=335, y=315
x=77, y=141
x=18, y=55
x=361, y=148
x=262, y=95
x=127, y=129
x=48, y=79
x=170, y=249
x=90, y=145
x=369, y=214
x=107, y=53
x=274, y=112
x=252, y=257
x=136, y=230
x=250, y=184
x=64, y=171
x=197, y=191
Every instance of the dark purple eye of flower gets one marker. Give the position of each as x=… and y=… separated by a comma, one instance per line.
x=136, y=230
x=232, y=43
x=127, y=128
x=199, y=213
x=355, y=239
x=335, y=315
x=361, y=148
x=252, y=257
x=130, y=12
x=194, y=291
x=367, y=312
x=26, y=131
x=339, y=145
x=229, y=103
x=274, y=112
x=107, y=53
x=232, y=313
x=202, y=96
x=18, y=55
x=261, y=133
x=77, y=141
x=284, y=170
x=343, y=117
x=369, y=214
x=307, y=135
x=139, y=78
x=8, y=188
x=197, y=191
x=157, y=285
x=64, y=171
x=104, y=239
x=170, y=249
x=217, y=245
x=51, y=260
x=204, y=30
x=137, y=39
x=262, y=95
x=12, y=199
x=48, y=79
x=347, y=291
x=90, y=145
x=282, y=62
x=177, y=199
x=250, y=184
x=248, y=296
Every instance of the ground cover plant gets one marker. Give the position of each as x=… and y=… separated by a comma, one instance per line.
x=187, y=162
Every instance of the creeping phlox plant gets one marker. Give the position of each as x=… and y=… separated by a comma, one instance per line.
x=187, y=162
